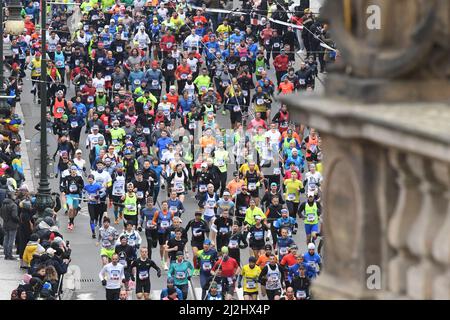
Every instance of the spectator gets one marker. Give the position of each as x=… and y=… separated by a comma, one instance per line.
x=9, y=214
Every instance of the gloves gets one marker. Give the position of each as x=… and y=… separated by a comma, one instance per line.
x=294, y=231
x=189, y=278
x=267, y=239
x=159, y=274
x=132, y=278
x=103, y=282
x=139, y=228
x=124, y=280
x=239, y=285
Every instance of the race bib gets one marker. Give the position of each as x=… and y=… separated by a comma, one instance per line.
x=90, y=99
x=117, y=86
x=170, y=67
x=137, y=82
x=192, y=125
x=107, y=78
x=119, y=49
x=237, y=108
x=251, y=284
x=100, y=108
x=243, y=59
x=260, y=69
x=276, y=171
x=180, y=275
x=300, y=294
x=115, y=274
x=202, y=188
x=155, y=83
x=146, y=130
x=223, y=230
x=259, y=235
x=92, y=197
x=73, y=188
x=143, y=275
x=232, y=66
x=184, y=76
x=302, y=81
x=291, y=196
x=206, y=266
x=106, y=243
x=276, y=45
x=233, y=244
x=169, y=45
x=252, y=186
x=311, y=217
x=140, y=194
x=59, y=64
x=211, y=203
x=165, y=224
x=179, y=186
x=245, y=93
x=100, y=60
x=131, y=207
x=74, y=124
x=283, y=250
x=59, y=110
x=260, y=101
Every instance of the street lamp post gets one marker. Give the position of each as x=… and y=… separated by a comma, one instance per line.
x=43, y=199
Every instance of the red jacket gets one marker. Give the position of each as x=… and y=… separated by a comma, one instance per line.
x=281, y=63
x=167, y=43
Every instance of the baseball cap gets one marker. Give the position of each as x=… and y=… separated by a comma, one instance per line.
x=310, y=193
x=214, y=284
x=180, y=253
x=273, y=184
x=73, y=168
x=268, y=247
x=226, y=193
x=311, y=246
x=78, y=151
x=127, y=152
x=284, y=211
x=207, y=241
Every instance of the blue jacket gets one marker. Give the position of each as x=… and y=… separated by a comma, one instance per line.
x=312, y=261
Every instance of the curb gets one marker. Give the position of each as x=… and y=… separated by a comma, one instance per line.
x=24, y=151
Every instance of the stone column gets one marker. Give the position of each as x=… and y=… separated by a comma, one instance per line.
x=384, y=122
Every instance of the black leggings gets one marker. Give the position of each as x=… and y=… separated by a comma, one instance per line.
x=112, y=294
x=95, y=212
x=293, y=208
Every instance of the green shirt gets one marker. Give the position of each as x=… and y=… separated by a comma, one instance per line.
x=180, y=272
x=221, y=159
x=202, y=81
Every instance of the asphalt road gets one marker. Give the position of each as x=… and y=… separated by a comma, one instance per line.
x=85, y=254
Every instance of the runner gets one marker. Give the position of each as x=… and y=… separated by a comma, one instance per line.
x=93, y=191
x=162, y=220
x=73, y=186
x=200, y=228
x=107, y=236
x=229, y=269
x=250, y=273
x=272, y=278
x=310, y=212
x=141, y=273
x=181, y=270
x=112, y=275
x=206, y=258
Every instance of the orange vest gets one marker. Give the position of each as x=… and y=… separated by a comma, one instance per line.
x=59, y=109
x=310, y=143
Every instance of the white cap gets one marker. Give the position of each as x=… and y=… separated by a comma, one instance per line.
x=311, y=246
x=310, y=193
x=51, y=251
x=294, y=150
x=204, y=165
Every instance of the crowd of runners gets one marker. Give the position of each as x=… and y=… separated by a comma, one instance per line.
x=157, y=102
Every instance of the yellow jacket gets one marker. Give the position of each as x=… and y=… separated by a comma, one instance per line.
x=30, y=249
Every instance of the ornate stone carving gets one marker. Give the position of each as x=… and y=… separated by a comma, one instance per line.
x=405, y=60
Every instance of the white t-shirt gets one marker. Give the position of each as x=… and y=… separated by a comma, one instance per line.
x=114, y=275
x=163, y=12
x=273, y=136
x=98, y=83
x=313, y=179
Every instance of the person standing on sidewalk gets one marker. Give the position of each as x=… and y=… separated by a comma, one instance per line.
x=9, y=214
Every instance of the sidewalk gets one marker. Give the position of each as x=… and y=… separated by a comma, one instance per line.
x=10, y=273
x=10, y=276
